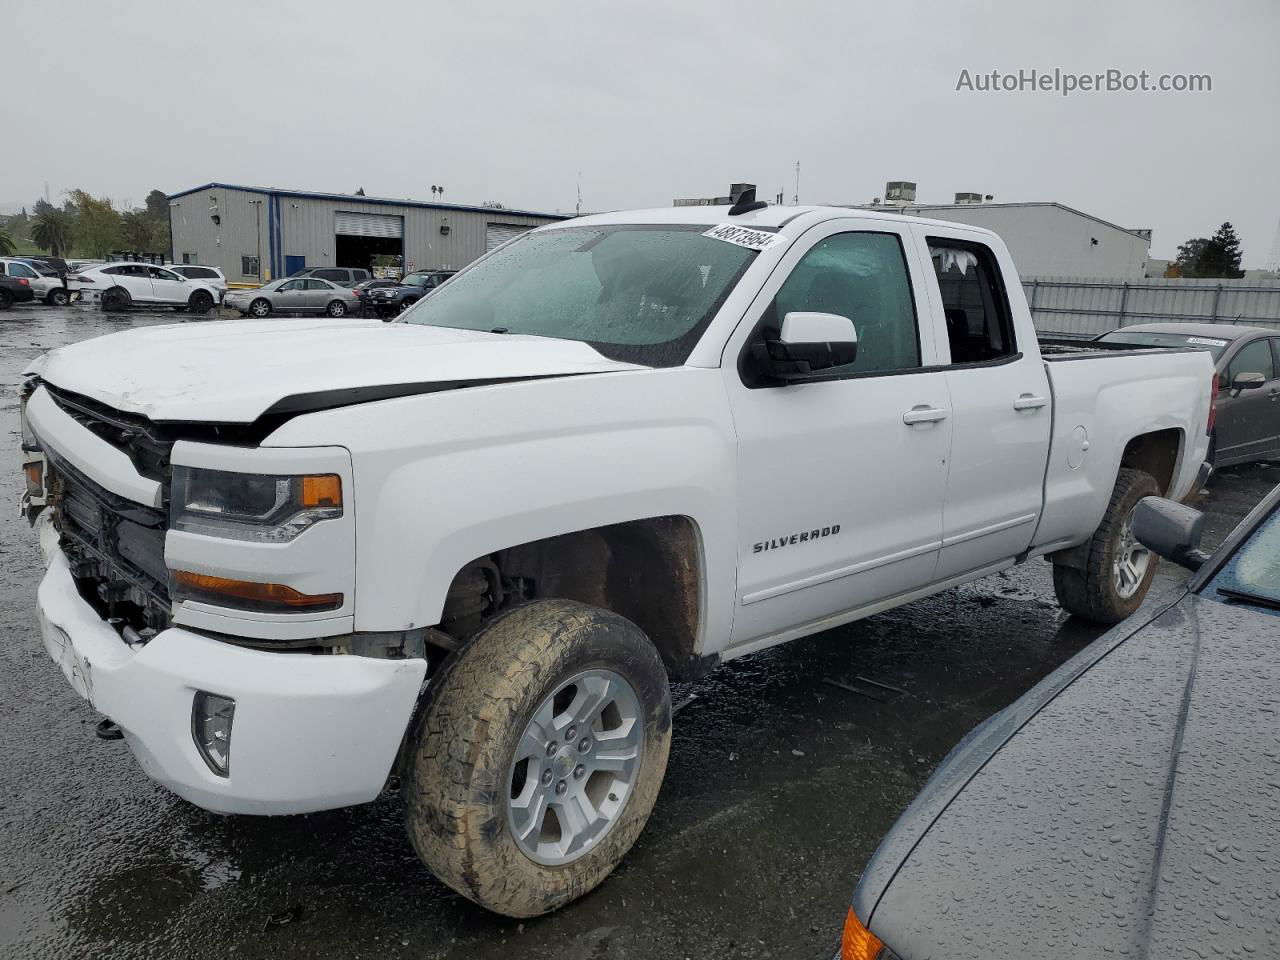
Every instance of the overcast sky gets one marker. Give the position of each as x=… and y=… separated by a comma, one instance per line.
x=653, y=100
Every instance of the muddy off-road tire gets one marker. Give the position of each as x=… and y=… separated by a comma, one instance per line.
x=553, y=706
x=1117, y=570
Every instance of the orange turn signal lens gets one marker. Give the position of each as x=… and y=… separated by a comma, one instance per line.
x=245, y=594
x=858, y=943
x=322, y=490
x=35, y=478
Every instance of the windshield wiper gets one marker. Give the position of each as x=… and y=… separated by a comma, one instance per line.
x=1244, y=596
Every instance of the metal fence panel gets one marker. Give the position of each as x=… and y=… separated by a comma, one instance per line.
x=1084, y=307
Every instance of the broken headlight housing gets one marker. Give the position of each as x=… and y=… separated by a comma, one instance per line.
x=266, y=508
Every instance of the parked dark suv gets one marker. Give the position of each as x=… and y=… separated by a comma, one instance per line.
x=342, y=276
x=390, y=301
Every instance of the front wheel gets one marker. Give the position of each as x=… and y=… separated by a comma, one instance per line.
x=538, y=756
x=260, y=308
x=58, y=297
x=201, y=302
x=1117, y=570
x=336, y=308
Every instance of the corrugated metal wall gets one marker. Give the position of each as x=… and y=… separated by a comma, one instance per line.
x=305, y=227
x=1084, y=307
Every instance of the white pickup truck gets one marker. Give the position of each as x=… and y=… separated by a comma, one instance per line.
x=295, y=560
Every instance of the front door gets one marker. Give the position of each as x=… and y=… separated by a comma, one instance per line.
x=840, y=482
x=1248, y=421
x=1001, y=403
x=135, y=278
x=292, y=296
x=168, y=287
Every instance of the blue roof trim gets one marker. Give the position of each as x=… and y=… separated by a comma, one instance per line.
x=379, y=201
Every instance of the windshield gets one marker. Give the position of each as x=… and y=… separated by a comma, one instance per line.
x=637, y=293
x=1137, y=338
x=1252, y=575
x=416, y=280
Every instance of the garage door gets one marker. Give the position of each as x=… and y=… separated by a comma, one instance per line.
x=496, y=234
x=368, y=225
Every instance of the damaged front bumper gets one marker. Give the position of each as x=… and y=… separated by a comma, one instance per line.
x=310, y=732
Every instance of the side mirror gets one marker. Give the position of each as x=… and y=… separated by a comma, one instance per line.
x=1170, y=530
x=810, y=343
x=1247, y=381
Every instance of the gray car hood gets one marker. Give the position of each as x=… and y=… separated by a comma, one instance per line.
x=235, y=371
x=1128, y=806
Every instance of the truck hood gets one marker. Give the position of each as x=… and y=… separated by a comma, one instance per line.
x=235, y=371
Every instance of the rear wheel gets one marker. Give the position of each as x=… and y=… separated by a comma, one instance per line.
x=58, y=297
x=1117, y=570
x=6, y=299
x=336, y=308
x=116, y=300
x=538, y=756
x=260, y=308
x=201, y=302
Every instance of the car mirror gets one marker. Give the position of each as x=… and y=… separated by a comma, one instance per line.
x=810, y=343
x=1170, y=530
x=1247, y=381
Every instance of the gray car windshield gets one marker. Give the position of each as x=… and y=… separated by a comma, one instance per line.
x=1252, y=575
x=1214, y=345
x=638, y=293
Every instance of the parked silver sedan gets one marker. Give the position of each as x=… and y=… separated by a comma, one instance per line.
x=294, y=295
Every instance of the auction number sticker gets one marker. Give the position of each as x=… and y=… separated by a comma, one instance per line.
x=1207, y=341
x=742, y=236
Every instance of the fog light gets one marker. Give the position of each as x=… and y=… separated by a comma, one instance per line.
x=211, y=717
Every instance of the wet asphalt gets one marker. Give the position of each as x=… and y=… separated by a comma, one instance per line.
x=786, y=769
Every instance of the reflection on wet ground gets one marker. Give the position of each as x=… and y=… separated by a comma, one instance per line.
x=787, y=767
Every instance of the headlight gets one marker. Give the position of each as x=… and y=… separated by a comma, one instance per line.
x=250, y=506
x=29, y=442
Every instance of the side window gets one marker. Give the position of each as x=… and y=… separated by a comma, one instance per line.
x=335, y=275
x=862, y=276
x=1253, y=358
x=22, y=270
x=158, y=274
x=318, y=285
x=248, y=266
x=979, y=324
x=132, y=270
x=293, y=285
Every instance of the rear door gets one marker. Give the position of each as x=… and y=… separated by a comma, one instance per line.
x=1247, y=425
x=319, y=293
x=134, y=278
x=1000, y=401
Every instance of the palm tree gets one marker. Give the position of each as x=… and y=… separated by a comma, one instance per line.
x=52, y=231
x=7, y=249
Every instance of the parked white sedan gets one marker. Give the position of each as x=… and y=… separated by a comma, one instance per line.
x=119, y=286
x=295, y=295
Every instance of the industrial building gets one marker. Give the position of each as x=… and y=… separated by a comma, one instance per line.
x=1045, y=238
x=255, y=234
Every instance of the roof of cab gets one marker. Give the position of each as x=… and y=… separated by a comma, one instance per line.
x=773, y=217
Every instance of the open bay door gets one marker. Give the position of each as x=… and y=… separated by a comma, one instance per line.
x=496, y=234
x=362, y=236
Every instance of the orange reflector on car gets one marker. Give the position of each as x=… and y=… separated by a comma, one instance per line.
x=323, y=490
x=858, y=943
x=35, y=478
x=254, y=596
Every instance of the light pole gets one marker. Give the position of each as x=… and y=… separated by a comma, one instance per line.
x=258, y=218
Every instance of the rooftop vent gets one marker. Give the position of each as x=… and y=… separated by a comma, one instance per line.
x=964, y=198
x=900, y=192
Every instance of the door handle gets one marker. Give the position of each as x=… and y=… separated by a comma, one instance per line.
x=1029, y=402
x=923, y=413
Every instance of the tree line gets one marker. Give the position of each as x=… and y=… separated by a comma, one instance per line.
x=89, y=226
x=1216, y=256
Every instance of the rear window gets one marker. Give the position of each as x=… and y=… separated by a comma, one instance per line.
x=1137, y=338
x=331, y=274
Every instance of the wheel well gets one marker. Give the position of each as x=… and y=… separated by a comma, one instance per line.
x=1155, y=453
x=648, y=571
